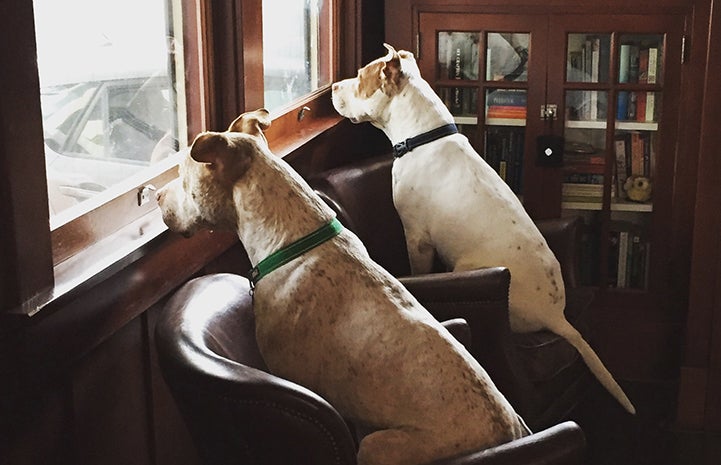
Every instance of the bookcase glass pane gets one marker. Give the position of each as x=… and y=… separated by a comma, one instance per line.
x=506, y=107
x=507, y=56
x=588, y=58
x=458, y=55
x=586, y=105
x=503, y=151
x=640, y=59
x=638, y=107
x=461, y=101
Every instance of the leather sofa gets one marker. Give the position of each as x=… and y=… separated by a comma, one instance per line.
x=237, y=412
x=541, y=374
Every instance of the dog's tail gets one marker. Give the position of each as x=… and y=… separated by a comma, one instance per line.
x=568, y=332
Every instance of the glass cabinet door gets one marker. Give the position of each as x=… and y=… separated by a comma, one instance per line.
x=613, y=93
x=494, y=66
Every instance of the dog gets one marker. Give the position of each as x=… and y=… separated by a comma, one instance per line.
x=454, y=205
x=333, y=320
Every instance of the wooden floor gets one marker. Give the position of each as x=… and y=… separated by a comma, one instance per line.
x=648, y=438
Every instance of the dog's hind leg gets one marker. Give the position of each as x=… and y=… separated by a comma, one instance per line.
x=390, y=447
x=420, y=253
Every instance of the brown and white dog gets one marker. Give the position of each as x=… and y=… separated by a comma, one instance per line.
x=332, y=319
x=453, y=204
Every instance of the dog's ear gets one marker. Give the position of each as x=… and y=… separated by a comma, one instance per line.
x=252, y=122
x=208, y=147
x=391, y=70
x=227, y=158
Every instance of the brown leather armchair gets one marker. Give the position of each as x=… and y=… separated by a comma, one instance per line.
x=542, y=375
x=239, y=413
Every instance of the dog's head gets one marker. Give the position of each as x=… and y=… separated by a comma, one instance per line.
x=202, y=195
x=366, y=96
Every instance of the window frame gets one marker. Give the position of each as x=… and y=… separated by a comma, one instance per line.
x=41, y=266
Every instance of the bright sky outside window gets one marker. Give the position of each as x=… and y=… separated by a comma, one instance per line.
x=292, y=50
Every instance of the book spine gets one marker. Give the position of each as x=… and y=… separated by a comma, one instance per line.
x=643, y=66
x=622, y=105
x=652, y=65
x=641, y=106
x=637, y=151
x=633, y=64
x=650, y=106
x=621, y=168
x=623, y=63
x=621, y=277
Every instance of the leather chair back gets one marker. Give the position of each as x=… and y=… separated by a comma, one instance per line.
x=236, y=411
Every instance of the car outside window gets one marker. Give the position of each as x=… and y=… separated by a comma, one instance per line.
x=109, y=81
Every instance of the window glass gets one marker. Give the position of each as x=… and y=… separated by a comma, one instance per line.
x=109, y=93
x=295, y=49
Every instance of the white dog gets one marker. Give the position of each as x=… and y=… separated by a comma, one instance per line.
x=452, y=203
x=332, y=319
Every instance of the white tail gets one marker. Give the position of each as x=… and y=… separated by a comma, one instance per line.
x=568, y=332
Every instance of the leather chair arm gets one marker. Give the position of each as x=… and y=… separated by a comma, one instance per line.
x=562, y=444
x=481, y=298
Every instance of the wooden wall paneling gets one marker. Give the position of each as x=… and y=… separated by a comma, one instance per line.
x=26, y=264
x=173, y=444
x=700, y=383
x=110, y=403
x=37, y=429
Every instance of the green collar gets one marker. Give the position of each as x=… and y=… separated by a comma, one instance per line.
x=294, y=250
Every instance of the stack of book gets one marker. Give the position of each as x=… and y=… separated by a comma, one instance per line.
x=583, y=175
x=633, y=151
x=506, y=104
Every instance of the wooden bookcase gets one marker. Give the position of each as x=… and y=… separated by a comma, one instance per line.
x=512, y=74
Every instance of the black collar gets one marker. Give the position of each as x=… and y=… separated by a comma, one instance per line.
x=403, y=147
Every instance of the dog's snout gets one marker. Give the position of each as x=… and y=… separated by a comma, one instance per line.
x=335, y=86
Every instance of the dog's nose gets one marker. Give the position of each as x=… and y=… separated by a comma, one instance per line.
x=335, y=86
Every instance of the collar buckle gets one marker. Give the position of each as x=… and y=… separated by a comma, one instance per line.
x=401, y=148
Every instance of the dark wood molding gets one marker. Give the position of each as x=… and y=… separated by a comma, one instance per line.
x=26, y=265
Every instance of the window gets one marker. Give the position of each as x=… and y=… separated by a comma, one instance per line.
x=296, y=49
x=109, y=95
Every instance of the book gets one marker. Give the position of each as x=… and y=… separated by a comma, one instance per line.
x=624, y=62
x=622, y=105
x=591, y=191
x=633, y=63
x=507, y=97
x=622, y=260
x=650, y=109
x=641, y=106
x=631, y=106
x=621, y=152
x=651, y=74
x=502, y=111
x=643, y=66
x=638, y=142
